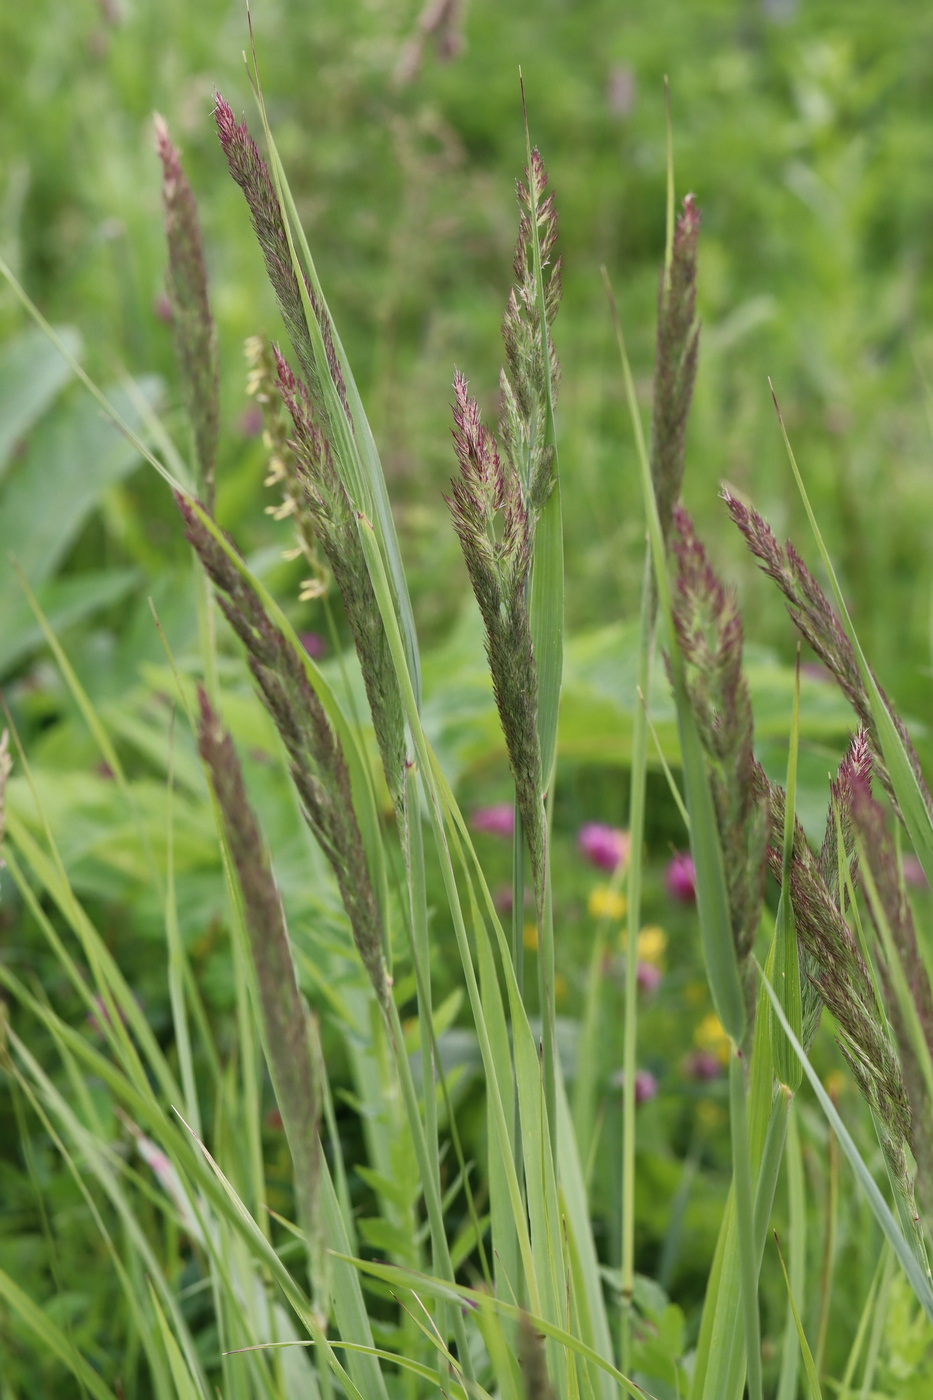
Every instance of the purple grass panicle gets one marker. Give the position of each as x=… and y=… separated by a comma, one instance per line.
x=322, y=503
x=290, y=1034
x=834, y=967
x=709, y=633
x=816, y=621
x=678, y=343
x=880, y=857
x=316, y=759
x=251, y=173
x=493, y=525
x=194, y=333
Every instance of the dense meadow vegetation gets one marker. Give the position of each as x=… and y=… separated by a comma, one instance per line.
x=472, y=1103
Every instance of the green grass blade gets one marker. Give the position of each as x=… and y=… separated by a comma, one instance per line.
x=794, y=1341
x=744, y=1221
x=630, y=1030
x=185, y=1384
x=813, y=1382
x=786, y=953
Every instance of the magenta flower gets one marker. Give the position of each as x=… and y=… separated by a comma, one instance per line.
x=314, y=644
x=702, y=1065
x=913, y=872
x=649, y=977
x=604, y=846
x=646, y=1086
x=680, y=878
x=251, y=421
x=497, y=820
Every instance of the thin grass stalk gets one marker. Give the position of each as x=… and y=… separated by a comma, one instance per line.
x=431, y=776
x=828, y=1262
x=630, y=1042
x=797, y=1250
x=744, y=1214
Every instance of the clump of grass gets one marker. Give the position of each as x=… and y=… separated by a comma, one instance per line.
x=544, y=1329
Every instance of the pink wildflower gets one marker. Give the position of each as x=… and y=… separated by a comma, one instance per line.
x=913, y=872
x=314, y=644
x=497, y=820
x=604, y=846
x=702, y=1065
x=681, y=878
x=646, y=1086
x=649, y=977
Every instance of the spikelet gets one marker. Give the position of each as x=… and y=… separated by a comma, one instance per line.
x=194, y=334
x=709, y=633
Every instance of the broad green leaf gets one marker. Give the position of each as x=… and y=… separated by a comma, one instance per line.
x=31, y=374
x=74, y=456
x=65, y=602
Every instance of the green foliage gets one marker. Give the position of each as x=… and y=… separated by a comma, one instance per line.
x=501, y=1215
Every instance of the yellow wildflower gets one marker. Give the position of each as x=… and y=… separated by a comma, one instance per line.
x=530, y=936
x=606, y=903
x=709, y=1035
x=652, y=942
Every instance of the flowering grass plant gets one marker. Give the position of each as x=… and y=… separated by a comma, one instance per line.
x=482, y=1269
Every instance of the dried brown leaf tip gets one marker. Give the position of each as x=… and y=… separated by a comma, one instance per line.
x=678, y=344
x=316, y=757
x=891, y=905
x=709, y=632
x=492, y=521
x=816, y=621
x=194, y=334
x=251, y=173
x=531, y=361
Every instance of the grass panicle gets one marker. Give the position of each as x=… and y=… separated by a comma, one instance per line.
x=843, y=981
x=322, y=500
x=262, y=384
x=251, y=173
x=854, y=771
x=290, y=1033
x=709, y=633
x=530, y=373
x=880, y=857
x=194, y=333
x=818, y=624
x=492, y=521
x=317, y=762
x=678, y=347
